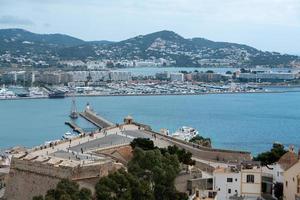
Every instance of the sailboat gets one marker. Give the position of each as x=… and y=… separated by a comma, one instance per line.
x=74, y=113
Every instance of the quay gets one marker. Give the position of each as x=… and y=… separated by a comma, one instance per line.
x=75, y=127
x=95, y=119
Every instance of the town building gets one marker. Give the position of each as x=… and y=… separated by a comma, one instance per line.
x=119, y=76
x=209, y=77
x=163, y=76
x=227, y=182
x=262, y=76
x=241, y=180
x=177, y=77
x=291, y=182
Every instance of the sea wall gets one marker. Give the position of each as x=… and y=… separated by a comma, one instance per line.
x=205, y=153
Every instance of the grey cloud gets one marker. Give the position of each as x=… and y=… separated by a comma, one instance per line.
x=13, y=20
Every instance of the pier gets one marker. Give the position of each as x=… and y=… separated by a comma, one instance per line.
x=95, y=119
x=75, y=127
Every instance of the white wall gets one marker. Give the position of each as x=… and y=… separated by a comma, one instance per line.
x=221, y=185
x=276, y=171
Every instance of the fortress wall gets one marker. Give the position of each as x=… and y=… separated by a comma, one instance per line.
x=206, y=153
x=221, y=156
x=93, y=171
x=41, y=168
x=23, y=185
x=28, y=178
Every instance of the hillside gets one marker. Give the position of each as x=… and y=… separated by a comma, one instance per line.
x=20, y=46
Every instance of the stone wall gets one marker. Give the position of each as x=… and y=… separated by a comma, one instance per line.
x=28, y=178
x=205, y=153
x=23, y=185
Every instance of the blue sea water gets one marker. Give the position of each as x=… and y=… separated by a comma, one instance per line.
x=250, y=122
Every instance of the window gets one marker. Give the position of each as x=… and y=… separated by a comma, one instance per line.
x=250, y=178
x=236, y=180
x=229, y=191
x=229, y=180
x=286, y=183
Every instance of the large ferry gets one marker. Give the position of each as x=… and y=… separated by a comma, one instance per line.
x=185, y=133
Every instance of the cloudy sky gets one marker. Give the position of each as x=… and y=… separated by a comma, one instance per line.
x=265, y=24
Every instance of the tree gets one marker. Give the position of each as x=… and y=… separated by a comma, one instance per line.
x=40, y=197
x=272, y=156
x=184, y=156
x=201, y=141
x=150, y=176
x=66, y=190
x=122, y=185
x=146, y=144
x=143, y=143
x=160, y=170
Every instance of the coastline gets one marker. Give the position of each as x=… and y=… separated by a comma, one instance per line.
x=174, y=94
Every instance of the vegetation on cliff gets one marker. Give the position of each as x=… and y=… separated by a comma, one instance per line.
x=183, y=156
x=201, y=141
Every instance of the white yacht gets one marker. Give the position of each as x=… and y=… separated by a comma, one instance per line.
x=6, y=94
x=185, y=133
x=68, y=135
x=36, y=92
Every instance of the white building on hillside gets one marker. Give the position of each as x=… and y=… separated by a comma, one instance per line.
x=227, y=182
x=177, y=77
x=242, y=180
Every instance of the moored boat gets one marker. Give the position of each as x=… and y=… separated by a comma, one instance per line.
x=68, y=135
x=185, y=133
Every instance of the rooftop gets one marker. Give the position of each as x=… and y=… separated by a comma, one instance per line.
x=288, y=160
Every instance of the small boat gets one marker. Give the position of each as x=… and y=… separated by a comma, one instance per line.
x=73, y=114
x=68, y=135
x=185, y=133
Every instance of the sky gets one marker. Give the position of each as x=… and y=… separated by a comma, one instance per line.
x=272, y=25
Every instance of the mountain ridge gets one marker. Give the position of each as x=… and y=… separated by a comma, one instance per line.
x=167, y=45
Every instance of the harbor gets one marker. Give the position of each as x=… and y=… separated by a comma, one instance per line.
x=226, y=119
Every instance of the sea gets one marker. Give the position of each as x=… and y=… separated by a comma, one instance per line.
x=248, y=122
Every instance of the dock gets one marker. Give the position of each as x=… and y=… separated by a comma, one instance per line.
x=75, y=127
x=95, y=119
